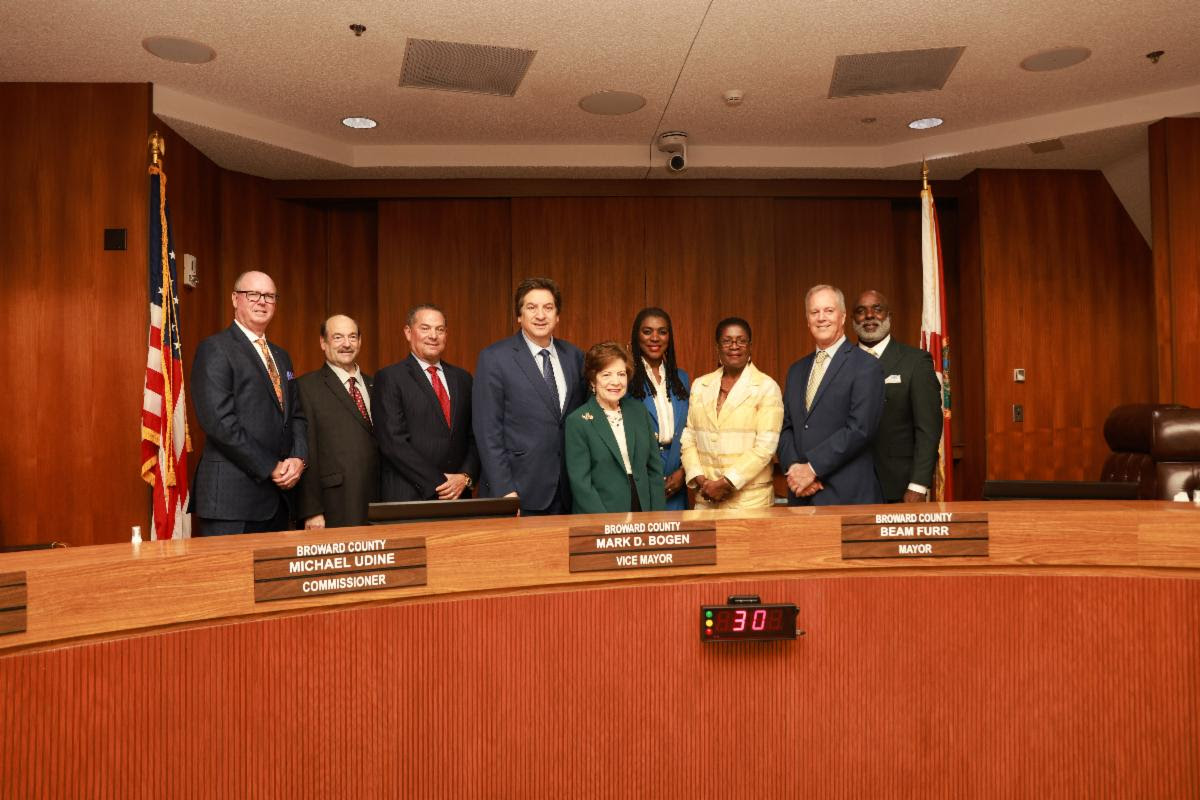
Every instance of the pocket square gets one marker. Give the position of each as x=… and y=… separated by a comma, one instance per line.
x=892, y=379
x=290, y=375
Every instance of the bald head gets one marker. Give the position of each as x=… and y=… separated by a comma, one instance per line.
x=341, y=341
x=254, y=299
x=872, y=319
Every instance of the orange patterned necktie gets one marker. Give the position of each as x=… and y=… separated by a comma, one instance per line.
x=272, y=370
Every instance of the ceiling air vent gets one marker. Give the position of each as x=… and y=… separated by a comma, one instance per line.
x=893, y=73
x=457, y=67
x=1047, y=146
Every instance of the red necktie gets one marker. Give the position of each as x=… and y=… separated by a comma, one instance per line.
x=440, y=391
x=358, y=401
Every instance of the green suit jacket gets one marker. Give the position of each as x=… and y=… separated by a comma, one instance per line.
x=599, y=483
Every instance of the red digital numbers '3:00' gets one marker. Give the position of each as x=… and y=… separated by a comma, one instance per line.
x=736, y=620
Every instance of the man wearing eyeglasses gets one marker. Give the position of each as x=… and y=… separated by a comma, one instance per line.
x=342, y=478
x=248, y=405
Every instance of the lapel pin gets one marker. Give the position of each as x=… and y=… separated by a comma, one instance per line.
x=588, y=416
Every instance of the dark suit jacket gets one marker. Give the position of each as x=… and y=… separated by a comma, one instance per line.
x=835, y=436
x=906, y=445
x=246, y=432
x=342, y=477
x=518, y=424
x=599, y=482
x=670, y=457
x=418, y=448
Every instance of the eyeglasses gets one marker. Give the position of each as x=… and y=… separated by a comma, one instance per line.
x=338, y=338
x=254, y=297
x=728, y=343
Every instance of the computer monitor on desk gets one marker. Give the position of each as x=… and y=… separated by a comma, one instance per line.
x=431, y=510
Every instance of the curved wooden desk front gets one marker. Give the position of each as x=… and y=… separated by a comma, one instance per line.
x=1066, y=662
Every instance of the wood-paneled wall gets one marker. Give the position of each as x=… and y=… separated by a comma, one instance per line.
x=1061, y=268
x=1175, y=203
x=1030, y=239
x=74, y=316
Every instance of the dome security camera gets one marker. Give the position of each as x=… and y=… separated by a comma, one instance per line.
x=674, y=144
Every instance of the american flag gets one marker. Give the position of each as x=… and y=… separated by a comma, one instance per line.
x=933, y=332
x=165, y=440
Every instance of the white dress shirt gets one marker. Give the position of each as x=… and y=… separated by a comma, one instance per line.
x=345, y=377
x=559, y=379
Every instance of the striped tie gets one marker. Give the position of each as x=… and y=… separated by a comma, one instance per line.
x=814, y=378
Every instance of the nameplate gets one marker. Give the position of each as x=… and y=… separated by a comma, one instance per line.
x=915, y=534
x=356, y=565
x=13, y=600
x=642, y=545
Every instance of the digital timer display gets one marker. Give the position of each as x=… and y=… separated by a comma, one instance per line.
x=748, y=622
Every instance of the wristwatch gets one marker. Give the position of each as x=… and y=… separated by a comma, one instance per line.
x=470, y=483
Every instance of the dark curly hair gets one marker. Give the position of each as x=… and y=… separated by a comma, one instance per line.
x=639, y=382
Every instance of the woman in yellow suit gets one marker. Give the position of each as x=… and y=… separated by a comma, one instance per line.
x=734, y=417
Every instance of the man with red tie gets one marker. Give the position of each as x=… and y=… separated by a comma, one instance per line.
x=342, y=478
x=423, y=418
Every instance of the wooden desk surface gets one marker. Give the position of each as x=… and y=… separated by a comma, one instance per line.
x=88, y=592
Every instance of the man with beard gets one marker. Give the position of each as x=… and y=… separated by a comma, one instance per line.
x=906, y=446
x=343, y=460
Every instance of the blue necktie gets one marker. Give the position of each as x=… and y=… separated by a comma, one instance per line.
x=548, y=374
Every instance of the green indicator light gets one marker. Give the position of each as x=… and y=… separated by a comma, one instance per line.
x=708, y=614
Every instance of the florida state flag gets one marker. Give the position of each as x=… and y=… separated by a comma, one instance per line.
x=933, y=332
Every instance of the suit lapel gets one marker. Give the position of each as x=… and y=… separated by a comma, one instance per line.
x=604, y=430
x=532, y=371
x=742, y=389
x=710, y=387
x=341, y=396
x=842, y=356
x=889, y=360
x=242, y=343
x=651, y=405
x=421, y=379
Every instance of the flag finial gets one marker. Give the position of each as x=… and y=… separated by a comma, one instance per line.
x=924, y=174
x=158, y=147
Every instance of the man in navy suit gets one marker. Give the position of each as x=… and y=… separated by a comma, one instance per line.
x=832, y=405
x=423, y=418
x=246, y=400
x=525, y=386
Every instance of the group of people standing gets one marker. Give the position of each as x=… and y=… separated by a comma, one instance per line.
x=620, y=428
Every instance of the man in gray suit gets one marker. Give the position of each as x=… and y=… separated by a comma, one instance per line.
x=525, y=385
x=906, y=444
x=245, y=396
x=342, y=478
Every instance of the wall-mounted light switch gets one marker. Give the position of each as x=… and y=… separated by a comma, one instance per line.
x=1018, y=412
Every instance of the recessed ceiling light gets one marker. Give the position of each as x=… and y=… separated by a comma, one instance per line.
x=1051, y=60
x=181, y=51
x=359, y=122
x=926, y=123
x=612, y=103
